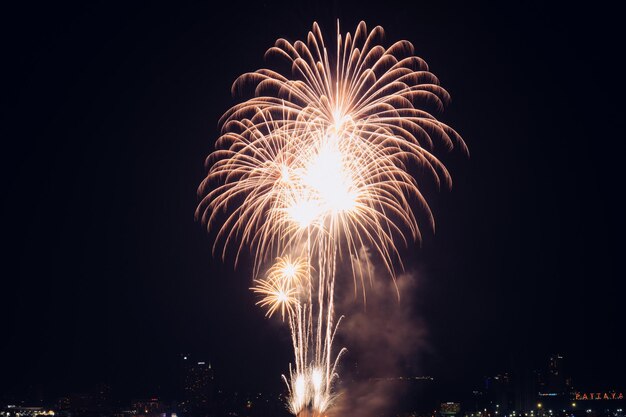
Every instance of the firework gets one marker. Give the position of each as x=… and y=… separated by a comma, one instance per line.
x=281, y=288
x=317, y=167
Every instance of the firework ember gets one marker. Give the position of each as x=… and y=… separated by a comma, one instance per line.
x=317, y=168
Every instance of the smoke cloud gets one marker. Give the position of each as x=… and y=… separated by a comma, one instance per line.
x=384, y=336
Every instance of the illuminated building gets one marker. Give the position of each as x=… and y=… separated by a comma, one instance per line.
x=198, y=388
x=553, y=381
x=17, y=411
x=554, y=388
x=556, y=364
x=147, y=407
x=499, y=393
x=63, y=405
x=449, y=409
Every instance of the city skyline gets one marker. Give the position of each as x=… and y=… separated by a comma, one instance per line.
x=542, y=392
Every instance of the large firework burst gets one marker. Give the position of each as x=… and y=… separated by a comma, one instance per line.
x=319, y=165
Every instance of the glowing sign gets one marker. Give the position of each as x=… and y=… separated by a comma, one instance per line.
x=599, y=396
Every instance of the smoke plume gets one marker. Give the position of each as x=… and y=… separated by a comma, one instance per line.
x=384, y=336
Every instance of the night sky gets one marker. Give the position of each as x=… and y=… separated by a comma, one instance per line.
x=109, y=110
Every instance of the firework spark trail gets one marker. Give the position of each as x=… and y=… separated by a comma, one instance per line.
x=315, y=168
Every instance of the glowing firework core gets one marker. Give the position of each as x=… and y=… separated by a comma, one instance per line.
x=327, y=175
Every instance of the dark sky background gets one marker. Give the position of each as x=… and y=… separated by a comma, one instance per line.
x=110, y=109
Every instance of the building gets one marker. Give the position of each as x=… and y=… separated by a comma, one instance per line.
x=499, y=393
x=21, y=411
x=553, y=381
x=198, y=391
x=554, y=393
x=449, y=409
x=150, y=407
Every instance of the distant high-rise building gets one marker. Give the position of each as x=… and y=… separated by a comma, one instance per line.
x=449, y=409
x=499, y=392
x=147, y=407
x=183, y=362
x=198, y=388
x=63, y=405
x=553, y=381
x=102, y=398
x=554, y=387
x=556, y=364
